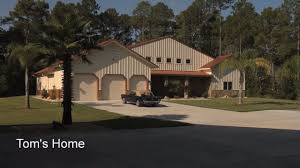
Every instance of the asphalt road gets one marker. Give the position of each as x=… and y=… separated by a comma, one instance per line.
x=180, y=147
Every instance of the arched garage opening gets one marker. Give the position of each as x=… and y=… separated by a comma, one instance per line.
x=113, y=86
x=85, y=87
x=138, y=82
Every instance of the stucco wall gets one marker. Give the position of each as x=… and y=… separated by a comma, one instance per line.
x=170, y=48
x=45, y=82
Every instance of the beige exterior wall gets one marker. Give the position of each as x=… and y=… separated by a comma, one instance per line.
x=138, y=82
x=58, y=75
x=85, y=87
x=113, y=60
x=113, y=86
x=45, y=82
x=219, y=76
x=170, y=48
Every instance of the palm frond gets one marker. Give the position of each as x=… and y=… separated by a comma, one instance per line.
x=26, y=55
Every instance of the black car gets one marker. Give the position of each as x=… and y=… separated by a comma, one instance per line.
x=141, y=98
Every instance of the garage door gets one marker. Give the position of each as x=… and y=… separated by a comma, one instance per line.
x=113, y=86
x=85, y=87
x=138, y=82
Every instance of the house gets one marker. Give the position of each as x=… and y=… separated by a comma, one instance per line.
x=164, y=65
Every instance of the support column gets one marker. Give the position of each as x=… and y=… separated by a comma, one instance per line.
x=166, y=87
x=148, y=84
x=127, y=85
x=186, y=87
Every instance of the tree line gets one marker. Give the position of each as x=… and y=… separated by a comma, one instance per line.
x=68, y=28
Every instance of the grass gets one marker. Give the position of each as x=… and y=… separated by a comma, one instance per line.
x=250, y=104
x=12, y=112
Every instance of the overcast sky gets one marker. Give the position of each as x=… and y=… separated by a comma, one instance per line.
x=126, y=6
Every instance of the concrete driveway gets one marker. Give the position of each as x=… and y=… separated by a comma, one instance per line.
x=275, y=119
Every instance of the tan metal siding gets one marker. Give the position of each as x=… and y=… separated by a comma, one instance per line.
x=220, y=76
x=170, y=48
x=113, y=60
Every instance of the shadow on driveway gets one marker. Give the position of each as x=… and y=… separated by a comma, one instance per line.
x=169, y=147
x=114, y=104
x=175, y=117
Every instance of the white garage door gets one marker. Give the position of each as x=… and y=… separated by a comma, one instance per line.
x=113, y=86
x=138, y=82
x=85, y=87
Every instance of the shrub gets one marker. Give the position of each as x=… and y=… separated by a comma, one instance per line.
x=288, y=89
x=45, y=94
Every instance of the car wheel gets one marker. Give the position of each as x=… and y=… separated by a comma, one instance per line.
x=138, y=103
x=124, y=101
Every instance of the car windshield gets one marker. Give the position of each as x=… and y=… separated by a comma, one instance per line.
x=146, y=93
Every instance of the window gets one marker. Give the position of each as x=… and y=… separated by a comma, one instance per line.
x=169, y=60
x=227, y=85
x=50, y=75
x=178, y=60
x=148, y=59
x=187, y=61
x=158, y=59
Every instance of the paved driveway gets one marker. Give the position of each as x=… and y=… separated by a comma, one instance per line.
x=277, y=119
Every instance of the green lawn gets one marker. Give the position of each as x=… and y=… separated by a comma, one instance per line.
x=12, y=112
x=250, y=104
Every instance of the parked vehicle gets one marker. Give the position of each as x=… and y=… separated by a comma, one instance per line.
x=141, y=98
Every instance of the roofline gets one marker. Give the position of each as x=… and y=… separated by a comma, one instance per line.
x=46, y=71
x=162, y=38
x=181, y=73
x=224, y=57
x=147, y=42
x=111, y=41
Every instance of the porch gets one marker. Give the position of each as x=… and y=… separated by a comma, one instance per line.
x=182, y=85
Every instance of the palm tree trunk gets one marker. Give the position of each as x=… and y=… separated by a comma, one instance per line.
x=67, y=91
x=298, y=49
x=241, y=84
x=220, y=35
x=27, y=98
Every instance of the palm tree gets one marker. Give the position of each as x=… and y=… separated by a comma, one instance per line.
x=70, y=36
x=241, y=62
x=27, y=55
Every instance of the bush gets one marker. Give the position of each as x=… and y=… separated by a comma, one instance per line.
x=45, y=94
x=288, y=89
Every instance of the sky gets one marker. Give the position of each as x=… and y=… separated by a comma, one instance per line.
x=126, y=6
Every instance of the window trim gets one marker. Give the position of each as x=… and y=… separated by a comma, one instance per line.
x=226, y=83
x=158, y=58
x=187, y=60
x=150, y=59
x=170, y=61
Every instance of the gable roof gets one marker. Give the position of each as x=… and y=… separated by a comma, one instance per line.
x=163, y=38
x=52, y=68
x=147, y=42
x=135, y=54
x=216, y=61
x=47, y=70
